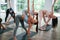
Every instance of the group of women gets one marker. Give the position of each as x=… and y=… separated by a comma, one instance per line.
x=29, y=18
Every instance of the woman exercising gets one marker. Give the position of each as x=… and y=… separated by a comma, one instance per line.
x=11, y=12
x=21, y=18
x=46, y=12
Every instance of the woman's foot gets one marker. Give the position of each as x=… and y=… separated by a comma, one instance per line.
x=4, y=28
x=54, y=28
x=29, y=38
x=28, y=33
x=42, y=28
x=7, y=23
x=14, y=38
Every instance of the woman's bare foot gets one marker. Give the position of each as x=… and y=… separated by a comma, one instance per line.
x=14, y=38
x=29, y=39
x=4, y=28
x=7, y=23
x=42, y=28
x=28, y=33
x=54, y=28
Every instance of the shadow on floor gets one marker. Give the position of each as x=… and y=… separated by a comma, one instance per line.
x=48, y=27
x=3, y=31
x=54, y=35
x=23, y=36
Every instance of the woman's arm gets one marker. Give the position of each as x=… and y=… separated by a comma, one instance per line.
x=44, y=18
x=48, y=20
x=52, y=12
x=53, y=5
x=30, y=25
x=54, y=2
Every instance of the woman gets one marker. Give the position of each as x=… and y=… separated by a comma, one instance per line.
x=46, y=12
x=21, y=18
x=11, y=12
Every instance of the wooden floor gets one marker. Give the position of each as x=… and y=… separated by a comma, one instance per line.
x=41, y=35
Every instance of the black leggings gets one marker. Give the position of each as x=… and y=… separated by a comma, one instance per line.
x=7, y=13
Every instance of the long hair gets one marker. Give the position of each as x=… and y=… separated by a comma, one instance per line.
x=0, y=20
x=54, y=22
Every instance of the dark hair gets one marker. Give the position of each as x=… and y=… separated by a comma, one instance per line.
x=11, y=9
x=0, y=20
x=54, y=22
x=26, y=12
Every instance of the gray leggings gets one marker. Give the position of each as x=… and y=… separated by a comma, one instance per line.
x=18, y=19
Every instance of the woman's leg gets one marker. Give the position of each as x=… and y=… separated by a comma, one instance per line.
x=13, y=15
x=40, y=16
x=14, y=18
x=17, y=24
x=46, y=21
x=7, y=13
x=8, y=20
x=22, y=23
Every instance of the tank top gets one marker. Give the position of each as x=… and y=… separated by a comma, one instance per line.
x=26, y=15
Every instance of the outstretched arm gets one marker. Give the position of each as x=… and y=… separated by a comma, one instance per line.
x=53, y=4
x=52, y=12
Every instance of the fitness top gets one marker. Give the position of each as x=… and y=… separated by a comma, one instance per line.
x=25, y=16
x=25, y=13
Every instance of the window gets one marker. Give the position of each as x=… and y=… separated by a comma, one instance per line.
x=57, y=6
x=21, y=4
x=38, y=5
x=3, y=5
